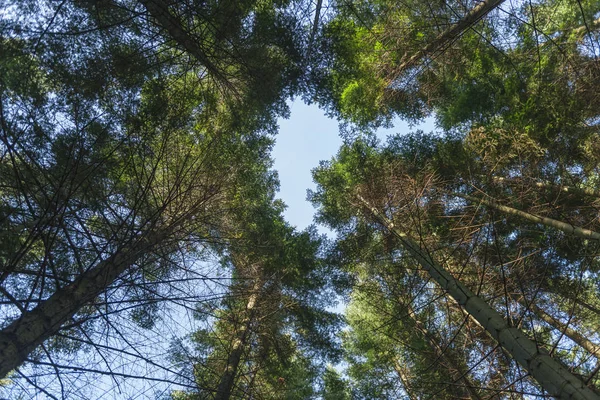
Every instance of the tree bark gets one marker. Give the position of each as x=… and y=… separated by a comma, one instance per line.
x=549, y=373
x=314, y=30
x=552, y=223
x=22, y=336
x=239, y=345
x=449, y=35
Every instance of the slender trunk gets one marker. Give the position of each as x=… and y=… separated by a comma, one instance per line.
x=446, y=357
x=549, y=373
x=315, y=29
x=558, y=188
x=448, y=36
x=22, y=336
x=552, y=223
x=240, y=342
x=159, y=10
x=572, y=334
x=583, y=30
x=580, y=302
x=405, y=379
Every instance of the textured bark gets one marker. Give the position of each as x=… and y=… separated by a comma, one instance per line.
x=549, y=373
x=552, y=223
x=22, y=336
x=448, y=36
x=159, y=10
x=239, y=345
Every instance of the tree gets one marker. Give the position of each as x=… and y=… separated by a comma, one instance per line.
x=175, y=187
x=508, y=69
x=334, y=387
x=271, y=321
x=137, y=193
x=362, y=169
x=122, y=158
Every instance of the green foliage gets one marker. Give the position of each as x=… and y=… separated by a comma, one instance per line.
x=119, y=122
x=334, y=386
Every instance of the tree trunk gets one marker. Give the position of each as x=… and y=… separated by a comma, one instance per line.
x=572, y=334
x=552, y=376
x=581, y=192
x=552, y=223
x=240, y=343
x=469, y=391
x=579, y=302
x=405, y=379
x=583, y=30
x=448, y=36
x=22, y=336
x=314, y=30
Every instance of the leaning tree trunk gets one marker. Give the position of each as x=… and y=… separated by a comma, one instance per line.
x=447, y=356
x=240, y=343
x=574, y=298
x=469, y=391
x=405, y=379
x=22, y=336
x=578, y=191
x=448, y=36
x=569, y=332
x=552, y=223
x=552, y=376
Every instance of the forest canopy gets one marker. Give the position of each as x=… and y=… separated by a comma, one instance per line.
x=144, y=252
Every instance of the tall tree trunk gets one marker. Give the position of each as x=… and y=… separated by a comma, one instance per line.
x=571, y=333
x=552, y=223
x=22, y=336
x=581, y=192
x=549, y=373
x=240, y=344
x=446, y=356
x=314, y=30
x=405, y=379
x=583, y=30
x=581, y=303
x=448, y=36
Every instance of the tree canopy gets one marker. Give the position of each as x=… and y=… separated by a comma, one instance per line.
x=144, y=252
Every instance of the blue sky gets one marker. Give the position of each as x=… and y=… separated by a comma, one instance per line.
x=303, y=140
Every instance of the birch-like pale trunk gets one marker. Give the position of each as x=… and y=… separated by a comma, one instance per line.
x=549, y=222
x=448, y=36
x=551, y=375
x=23, y=335
x=240, y=344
